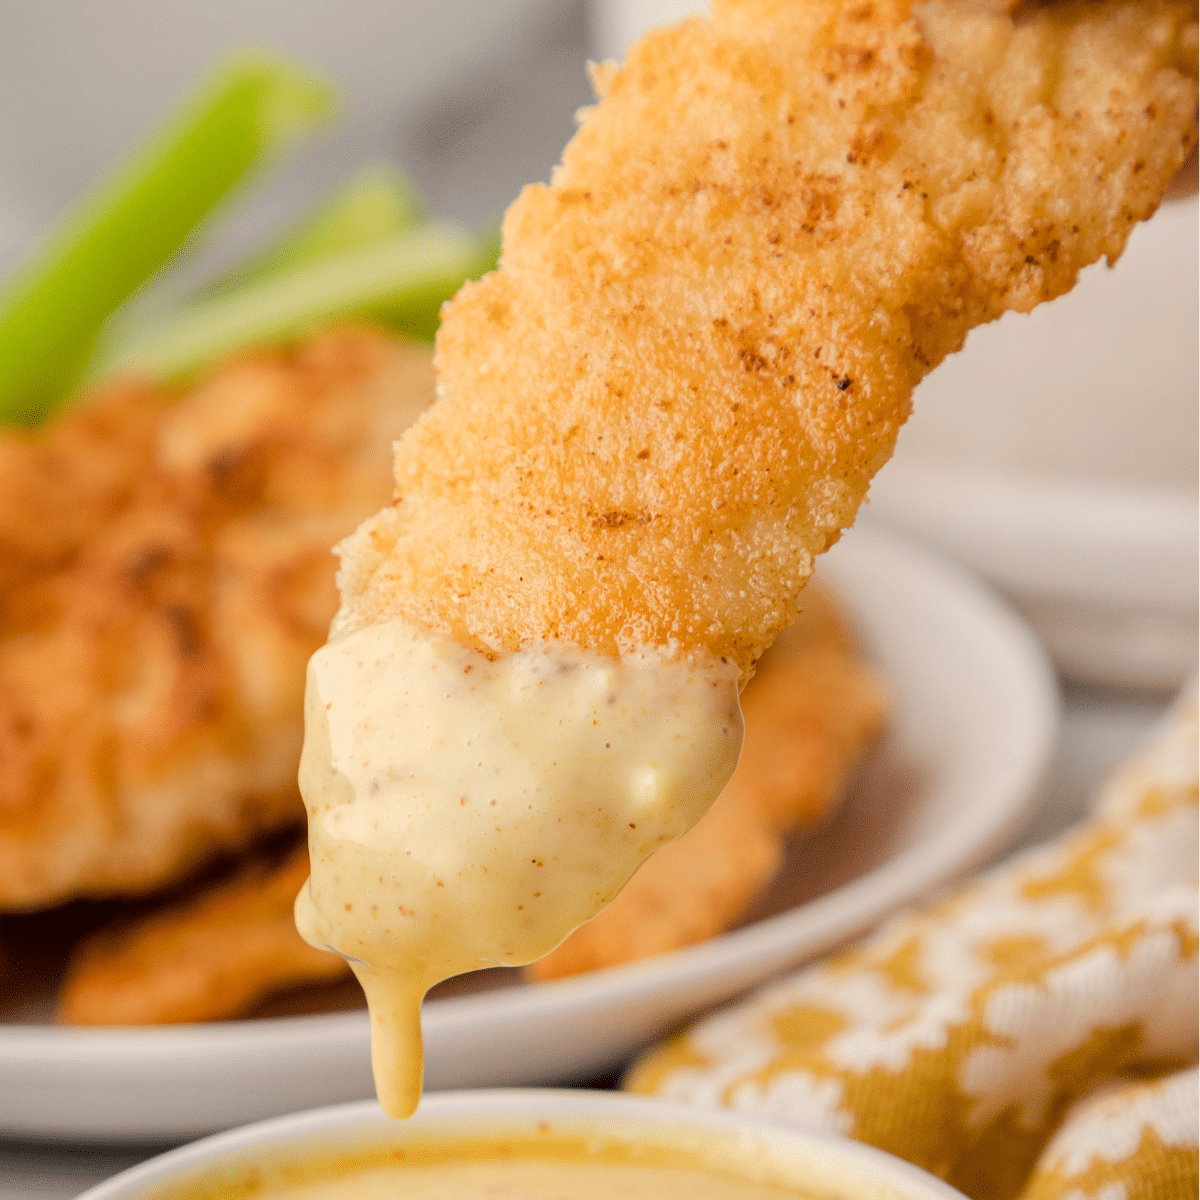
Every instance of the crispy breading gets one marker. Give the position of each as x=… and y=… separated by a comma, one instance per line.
x=211, y=956
x=56, y=491
x=811, y=712
x=704, y=334
x=152, y=668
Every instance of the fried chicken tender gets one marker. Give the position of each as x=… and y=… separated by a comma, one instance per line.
x=811, y=711
x=211, y=956
x=55, y=492
x=154, y=632
x=704, y=334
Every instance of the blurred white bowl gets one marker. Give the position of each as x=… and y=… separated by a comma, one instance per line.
x=826, y=1167
x=1056, y=454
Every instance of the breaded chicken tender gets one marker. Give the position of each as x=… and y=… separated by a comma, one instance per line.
x=154, y=632
x=56, y=491
x=704, y=334
x=811, y=711
x=208, y=957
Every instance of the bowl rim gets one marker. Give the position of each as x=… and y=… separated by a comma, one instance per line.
x=883, y=1173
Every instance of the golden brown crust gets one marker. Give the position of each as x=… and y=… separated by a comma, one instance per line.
x=811, y=712
x=60, y=486
x=704, y=334
x=152, y=667
x=206, y=958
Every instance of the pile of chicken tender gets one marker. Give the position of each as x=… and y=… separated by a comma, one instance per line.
x=165, y=573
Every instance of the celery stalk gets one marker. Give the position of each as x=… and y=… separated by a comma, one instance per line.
x=374, y=204
x=130, y=224
x=490, y=237
x=403, y=278
x=419, y=316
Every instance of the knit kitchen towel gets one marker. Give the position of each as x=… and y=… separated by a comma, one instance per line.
x=1025, y=1036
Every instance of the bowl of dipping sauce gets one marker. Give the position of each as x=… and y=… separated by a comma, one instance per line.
x=533, y=1144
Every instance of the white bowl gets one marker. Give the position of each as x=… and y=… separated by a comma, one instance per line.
x=826, y=1167
x=1056, y=455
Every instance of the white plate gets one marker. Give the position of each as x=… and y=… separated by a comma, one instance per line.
x=975, y=721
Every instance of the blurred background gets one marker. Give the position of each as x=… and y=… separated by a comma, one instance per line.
x=472, y=98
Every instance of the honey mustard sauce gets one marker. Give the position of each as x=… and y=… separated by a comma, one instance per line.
x=534, y=1180
x=467, y=812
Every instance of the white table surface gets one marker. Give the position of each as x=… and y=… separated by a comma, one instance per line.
x=1099, y=729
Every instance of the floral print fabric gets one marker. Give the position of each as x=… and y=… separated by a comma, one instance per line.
x=1032, y=1035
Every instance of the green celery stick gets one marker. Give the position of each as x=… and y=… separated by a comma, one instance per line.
x=421, y=319
x=130, y=224
x=414, y=272
x=374, y=204
x=489, y=245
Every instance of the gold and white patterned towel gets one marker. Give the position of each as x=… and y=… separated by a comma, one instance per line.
x=1033, y=1035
